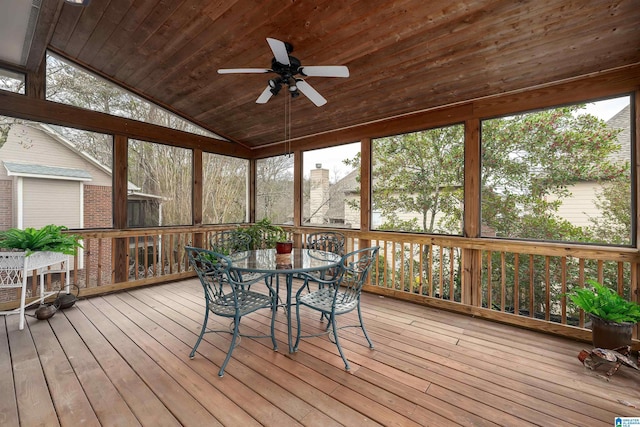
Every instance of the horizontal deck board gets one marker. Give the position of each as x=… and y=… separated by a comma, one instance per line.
x=123, y=359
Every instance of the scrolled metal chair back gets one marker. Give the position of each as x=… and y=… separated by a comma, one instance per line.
x=328, y=241
x=213, y=271
x=356, y=267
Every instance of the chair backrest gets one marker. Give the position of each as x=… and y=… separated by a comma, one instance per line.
x=213, y=271
x=230, y=242
x=328, y=241
x=356, y=267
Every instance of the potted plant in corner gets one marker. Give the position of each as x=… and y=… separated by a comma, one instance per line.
x=612, y=317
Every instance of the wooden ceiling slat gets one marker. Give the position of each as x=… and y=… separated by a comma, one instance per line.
x=114, y=14
x=129, y=54
x=177, y=34
x=116, y=49
x=85, y=27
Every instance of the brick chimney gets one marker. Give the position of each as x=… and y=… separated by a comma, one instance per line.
x=319, y=195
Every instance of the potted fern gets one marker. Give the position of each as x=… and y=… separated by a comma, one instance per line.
x=612, y=317
x=49, y=238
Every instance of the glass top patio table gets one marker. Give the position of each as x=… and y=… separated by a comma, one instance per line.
x=299, y=262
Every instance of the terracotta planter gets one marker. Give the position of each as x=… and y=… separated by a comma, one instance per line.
x=284, y=247
x=610, y=334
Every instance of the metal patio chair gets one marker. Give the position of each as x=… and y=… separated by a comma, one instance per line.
x=328, y=241
x=228, y=296
x=338, y=295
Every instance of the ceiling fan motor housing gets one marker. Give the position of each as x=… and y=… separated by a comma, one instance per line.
x=287, y=73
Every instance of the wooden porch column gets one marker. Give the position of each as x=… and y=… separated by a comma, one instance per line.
x=297, y=195
x=365, y=189
x=120, y=175
x=252, y=191
x=196, y=200
x=635, y=274
x=472, y=258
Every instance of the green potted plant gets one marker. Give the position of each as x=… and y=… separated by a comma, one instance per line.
x=265, y=235
x=612, y=317
x=49, y=238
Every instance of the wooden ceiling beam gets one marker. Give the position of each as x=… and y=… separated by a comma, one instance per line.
x=20, y=106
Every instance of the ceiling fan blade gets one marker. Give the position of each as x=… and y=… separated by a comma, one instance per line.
x=311, y=93
x=279, y=50
x=243, y=70
x=264, y=96
x=325, y=71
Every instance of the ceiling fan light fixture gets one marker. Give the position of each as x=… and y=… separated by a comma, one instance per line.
x=275, y=86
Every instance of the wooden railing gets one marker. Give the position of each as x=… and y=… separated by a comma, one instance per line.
x=522, y=283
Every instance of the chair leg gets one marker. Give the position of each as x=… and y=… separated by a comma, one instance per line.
x=236, y=328
x=298, y=331
x=362, y=326
x=337, y=342
x=274, y=306
x=204, y=328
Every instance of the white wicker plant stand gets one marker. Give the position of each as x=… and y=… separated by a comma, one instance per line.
x=15, y=268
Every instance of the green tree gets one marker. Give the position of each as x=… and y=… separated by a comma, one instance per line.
x=530, y=160
x=419, y=173
x=614, y=202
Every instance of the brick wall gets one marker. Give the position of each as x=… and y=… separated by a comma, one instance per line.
x=6, y=207
x=97, y=206
x=97, y=214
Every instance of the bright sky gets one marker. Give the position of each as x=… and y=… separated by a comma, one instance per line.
x=331, y=158
x=607, y=109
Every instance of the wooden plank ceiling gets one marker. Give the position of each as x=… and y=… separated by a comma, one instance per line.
x=403, y=55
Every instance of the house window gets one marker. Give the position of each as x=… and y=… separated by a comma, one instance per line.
x=224, y=189
x=331, y=186
x=11, y=81
x=274, y=189
x=160, y=185
x=560, y=174
x=418, y=181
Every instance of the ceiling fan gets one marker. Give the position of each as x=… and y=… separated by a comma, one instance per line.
x=290, y=74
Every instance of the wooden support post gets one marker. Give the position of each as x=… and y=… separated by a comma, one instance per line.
x=365, y=190
x=297, y=196
x=196, y=200
x=472, y=258
x=120, y=176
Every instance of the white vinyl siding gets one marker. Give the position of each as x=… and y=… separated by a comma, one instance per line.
x=48, y=201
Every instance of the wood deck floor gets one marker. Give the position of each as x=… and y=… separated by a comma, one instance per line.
x=122, y=360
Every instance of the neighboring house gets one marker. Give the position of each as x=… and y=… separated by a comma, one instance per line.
x=44, y=180
x=328, y=203
x=579, y=207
